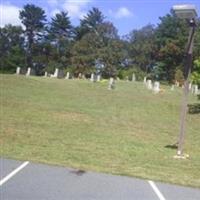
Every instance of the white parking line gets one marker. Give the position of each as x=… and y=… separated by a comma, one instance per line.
x=13, y=173
x=156, y=190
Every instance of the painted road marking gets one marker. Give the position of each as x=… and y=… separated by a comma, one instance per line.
x=156, y=190
x=5, y=179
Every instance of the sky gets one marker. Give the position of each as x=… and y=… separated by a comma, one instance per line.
x=126, y=15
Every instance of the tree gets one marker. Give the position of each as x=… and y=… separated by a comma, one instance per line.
x=33, y=18
x=11, y=48
x=171, y=37
x=142, y=48
x=90, y=22
x=61, y=32
x=196, y=73
x=83, y=55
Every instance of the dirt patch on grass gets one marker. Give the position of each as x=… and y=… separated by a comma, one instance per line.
x=71, y=116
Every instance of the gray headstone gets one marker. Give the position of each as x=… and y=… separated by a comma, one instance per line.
x=111, y=84
x=156, y=87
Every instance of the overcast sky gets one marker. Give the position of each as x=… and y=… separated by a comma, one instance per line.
x=125, y=14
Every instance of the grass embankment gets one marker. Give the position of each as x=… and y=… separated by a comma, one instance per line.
x=83, y=125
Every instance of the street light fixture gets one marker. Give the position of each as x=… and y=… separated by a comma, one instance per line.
x=185, y=12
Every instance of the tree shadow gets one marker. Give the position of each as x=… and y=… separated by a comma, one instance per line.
x=194, y=108
x=172, y=146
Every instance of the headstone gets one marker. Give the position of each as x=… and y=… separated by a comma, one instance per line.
x=83, y=76
x=156, y=87
x=118, y=79
x=133, y=77
x=149, y=85
x=98, y=78
x=67, y=76
x=145, y=80
x=172, y=87
x=190, y=86
x=111, y=84
x=177, y=84
x=79, y=75
x=18, y=70
x=55, y=75
x=45, y=74
x=28, y=73
x=92, y=77
x=196, y=89
x=127, y=78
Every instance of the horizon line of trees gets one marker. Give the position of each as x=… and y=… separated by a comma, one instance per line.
x=94, y=46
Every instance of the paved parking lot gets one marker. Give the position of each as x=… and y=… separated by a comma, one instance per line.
x=31, y=181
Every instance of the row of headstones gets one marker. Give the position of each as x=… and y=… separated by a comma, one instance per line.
x=55, y=75
x=28, y=73
x=156, y=87
x=152, y=86
x=193, y=88
x=93, y=77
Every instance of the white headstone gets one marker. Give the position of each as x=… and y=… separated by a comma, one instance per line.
x=67, y=76
x=92, y=77
x=149, y=85
x=83, y=76
x=56, y=73
x=45, y=74
x=28, y=73
x=18, y=70
x=111, y=84
x=133, y=77
x=196, y=89
x=79, y=75
x=172, y=87
x=118, y=79
x=156, y=87
x=145, y=80
x=177, y=84
x=98, y=78
x=190, y=86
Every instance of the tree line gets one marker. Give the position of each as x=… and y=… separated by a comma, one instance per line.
x=94, y=46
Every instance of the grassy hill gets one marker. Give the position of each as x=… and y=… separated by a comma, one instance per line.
x=81, y=124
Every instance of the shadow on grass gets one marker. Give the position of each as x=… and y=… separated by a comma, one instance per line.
x=194, y=108
x=172, y=146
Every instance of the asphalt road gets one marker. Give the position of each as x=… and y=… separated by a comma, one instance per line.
x=31, y=181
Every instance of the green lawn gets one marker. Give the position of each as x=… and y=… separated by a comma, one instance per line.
x=81, y=124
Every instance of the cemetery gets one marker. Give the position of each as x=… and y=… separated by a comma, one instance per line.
x=86, y=97
x=110, y=126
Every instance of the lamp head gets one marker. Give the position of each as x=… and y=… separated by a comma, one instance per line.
x=185, y=11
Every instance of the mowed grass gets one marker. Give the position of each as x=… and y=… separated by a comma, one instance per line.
x=80, y=124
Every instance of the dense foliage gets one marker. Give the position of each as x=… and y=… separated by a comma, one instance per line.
x=95, y=46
